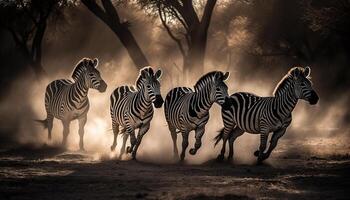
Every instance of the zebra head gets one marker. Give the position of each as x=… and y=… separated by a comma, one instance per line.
x=303, y=86
x=219, y=91
x=86, y=68
x=152, y=85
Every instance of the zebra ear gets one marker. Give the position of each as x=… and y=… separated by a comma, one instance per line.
x=95, y=62
x=307, y=71
x=145, y=74
x=85, y=61
x=226, y=76
x=158, y=74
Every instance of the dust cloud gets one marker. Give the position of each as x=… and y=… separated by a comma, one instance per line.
x=318, y=129
x=312, y=127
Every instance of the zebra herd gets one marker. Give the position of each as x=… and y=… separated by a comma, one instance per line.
x=185, y=109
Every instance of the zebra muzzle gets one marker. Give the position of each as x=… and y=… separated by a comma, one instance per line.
x=227, y=103
x=313, y=98
x=102, y=87
x=158, y=102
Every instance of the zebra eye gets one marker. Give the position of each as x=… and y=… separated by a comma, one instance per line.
x=91, y=74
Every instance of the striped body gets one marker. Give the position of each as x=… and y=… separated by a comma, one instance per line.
x=246, y=112
x=131, y=108
x=186, y=110
x=67, y=100
x=255, y=114
x=182, y=111
x=64, y=102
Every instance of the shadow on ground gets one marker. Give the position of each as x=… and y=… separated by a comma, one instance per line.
x=51, y=173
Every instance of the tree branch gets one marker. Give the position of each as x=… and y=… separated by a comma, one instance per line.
x=111, y=12
x=176, y=15
x=97, y=10
x=163, y=20
x=208, y=11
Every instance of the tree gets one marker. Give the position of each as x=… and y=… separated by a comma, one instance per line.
x=27, y=21
x=109, y=15
x=329, y=19
x=184, y=25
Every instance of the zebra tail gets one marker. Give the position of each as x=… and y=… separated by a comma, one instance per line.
x=219, y=137
x=43, y=122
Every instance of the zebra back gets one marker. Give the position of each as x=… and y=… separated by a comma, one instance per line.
x=173, y=96
x=121, y=92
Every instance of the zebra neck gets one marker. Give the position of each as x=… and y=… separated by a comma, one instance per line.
x=286, y=102
x=201, y=101
x=79, y=91
x=143, y=99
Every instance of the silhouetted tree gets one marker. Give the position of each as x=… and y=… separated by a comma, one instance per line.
x=108, y=13
x=329, y=19
x=27, y=21
x=184, y=24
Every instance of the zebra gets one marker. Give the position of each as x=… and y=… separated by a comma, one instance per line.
x=246, y=112
x=131, y=108
x=67, y=100
x=186, y=110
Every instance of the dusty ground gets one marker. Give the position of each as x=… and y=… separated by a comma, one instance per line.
x=51, y=173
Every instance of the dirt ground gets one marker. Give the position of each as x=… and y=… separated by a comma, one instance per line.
x=51, y=173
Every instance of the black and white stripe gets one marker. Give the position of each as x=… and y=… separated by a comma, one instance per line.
x=245, y=112
x=131, y=108
x=67, y=100
x=187, y=110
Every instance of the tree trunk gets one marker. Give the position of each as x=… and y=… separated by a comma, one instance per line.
x=134, y=50
x=194, y=60
x=110, y=17
x=36, y=54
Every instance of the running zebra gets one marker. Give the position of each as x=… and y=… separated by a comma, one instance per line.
x=187, y=110
x=245, y=112
x=67, y=100
x=131, y=108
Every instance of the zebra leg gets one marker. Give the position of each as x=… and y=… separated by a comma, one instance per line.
x=174, y=138
x=49, y=119
x=115, y=133
x=233, y=136
x=65, y=132
x=263, y=141
x=132, y=141
x=226, y=133
x=199, y=134
x=143, y=130
x=82, y=122
x=125, y=138
x=273, y=143
x=184, y=145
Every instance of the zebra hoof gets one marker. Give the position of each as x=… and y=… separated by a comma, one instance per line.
x=112, y=148
x=220, y=158
x=256, y=153
x=182, y=161
x=193, y=151
x=260, y=161
x=128, y=149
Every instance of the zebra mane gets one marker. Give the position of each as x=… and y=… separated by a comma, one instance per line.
x=282, y=85
x=80, y=68
x=206, y=77
x=142, y=76
x=285, y=82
